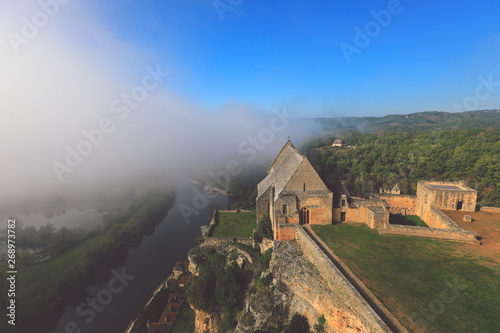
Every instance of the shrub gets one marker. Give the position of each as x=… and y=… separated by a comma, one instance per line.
x=298, y=324
x=218, y=289
x=265, y=259
x=320, y=326
x=263, y=230
x=198, y=241
x=233, y=255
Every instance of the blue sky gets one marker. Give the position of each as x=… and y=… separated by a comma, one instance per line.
x=428, y=57
x=227, y=77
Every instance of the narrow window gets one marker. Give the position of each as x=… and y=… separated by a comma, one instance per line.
x=343, y=202
x=285, y=209
x=304, y=187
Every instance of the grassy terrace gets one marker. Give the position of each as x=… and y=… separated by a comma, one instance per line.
x=237, y=224
x=410, y=277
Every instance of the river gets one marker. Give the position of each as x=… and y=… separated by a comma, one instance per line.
x=148, y=264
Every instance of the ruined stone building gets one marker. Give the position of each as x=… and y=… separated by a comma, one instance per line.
x=444, y=195
x=394, y=190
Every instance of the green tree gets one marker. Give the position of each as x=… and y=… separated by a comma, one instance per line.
x=264, y=229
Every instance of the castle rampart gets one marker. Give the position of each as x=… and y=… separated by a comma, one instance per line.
x=337, y=281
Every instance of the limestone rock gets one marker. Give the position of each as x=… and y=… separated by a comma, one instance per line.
x=205, y=322
x=297, y=288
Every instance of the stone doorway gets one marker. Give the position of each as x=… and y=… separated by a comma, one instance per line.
x=342, y=216
x=305, y=215
x=459, y=205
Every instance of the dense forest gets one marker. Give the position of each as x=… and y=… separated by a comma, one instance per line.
x=399, y=149
x=384, y=159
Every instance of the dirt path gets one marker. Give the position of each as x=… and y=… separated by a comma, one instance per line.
x=487, y=228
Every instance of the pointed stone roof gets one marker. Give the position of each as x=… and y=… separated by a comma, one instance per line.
x=281, y=170
x=396, y=188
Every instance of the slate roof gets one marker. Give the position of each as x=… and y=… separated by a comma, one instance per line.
x=281, y=170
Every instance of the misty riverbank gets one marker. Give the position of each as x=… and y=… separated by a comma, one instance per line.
x=147, y=264
x=45, y=288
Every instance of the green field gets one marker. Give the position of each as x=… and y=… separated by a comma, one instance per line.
x=47, y=275
x=411, y=277
x=237, y=224
x=413, y=220
x=185, y=321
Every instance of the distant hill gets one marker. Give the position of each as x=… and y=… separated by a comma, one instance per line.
x=415, y=122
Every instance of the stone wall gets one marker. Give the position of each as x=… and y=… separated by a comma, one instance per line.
x=490, y=209
x=356, y=214
x=207, y=231
x=287, y=231
x=262, y=204
x=399, y=204
x=300, y=288
x=377, y=217
x=337, y=213
x=292, y=215
x=319, y=205
x=437, y=219
x=214, y=241
x=433, y=233
x=311, y=192
x=337, y=281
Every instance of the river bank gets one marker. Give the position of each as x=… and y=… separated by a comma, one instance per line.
x=45, y=288
x=149, y=262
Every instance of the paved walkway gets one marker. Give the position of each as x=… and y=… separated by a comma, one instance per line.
x=368, y=296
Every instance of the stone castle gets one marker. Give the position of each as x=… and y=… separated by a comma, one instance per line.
x=309, y=278
x=293, y=193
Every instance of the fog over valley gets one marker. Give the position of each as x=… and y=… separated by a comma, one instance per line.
x=80, y=107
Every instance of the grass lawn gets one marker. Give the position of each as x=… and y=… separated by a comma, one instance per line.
x=185, y=321
x=411, y=277
x=237, y=224
x=407, y=220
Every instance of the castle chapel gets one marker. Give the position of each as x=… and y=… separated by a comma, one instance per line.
x=293, y=192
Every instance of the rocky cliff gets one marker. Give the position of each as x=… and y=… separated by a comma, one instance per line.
x=297, y=287
x=291, y=284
